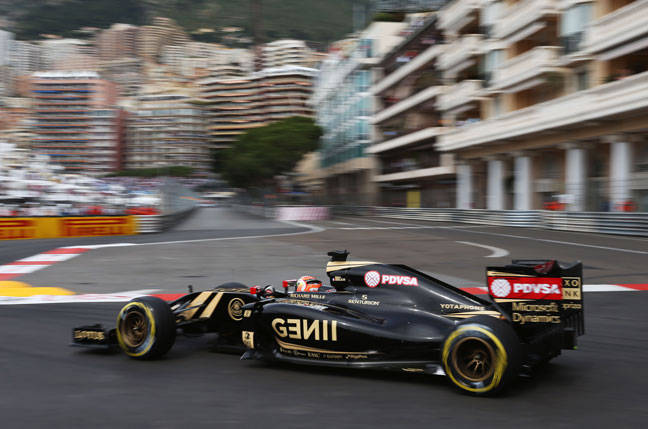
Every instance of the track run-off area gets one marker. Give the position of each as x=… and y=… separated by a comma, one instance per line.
x=60, y=284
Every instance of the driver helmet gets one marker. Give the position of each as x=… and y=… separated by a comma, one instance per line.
x=308, y=284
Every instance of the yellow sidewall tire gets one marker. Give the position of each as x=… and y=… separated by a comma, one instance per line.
x=161, y=329
x=150, y=337
x=503, y=345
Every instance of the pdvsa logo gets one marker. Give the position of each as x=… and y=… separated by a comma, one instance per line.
x=374, y=278
x=526, y=287
x=500, y=288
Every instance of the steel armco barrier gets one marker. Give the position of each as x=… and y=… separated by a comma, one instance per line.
x=599, y=222
x=488, y=217
x=148, y=224
x=602, y=222
x=159, y=223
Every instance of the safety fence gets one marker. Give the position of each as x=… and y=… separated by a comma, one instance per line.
x=286, y=212
x=600, y=222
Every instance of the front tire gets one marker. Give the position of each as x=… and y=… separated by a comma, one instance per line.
x=482, y=355
x=146, y=328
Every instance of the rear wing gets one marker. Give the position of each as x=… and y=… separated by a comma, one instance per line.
x=540, y=296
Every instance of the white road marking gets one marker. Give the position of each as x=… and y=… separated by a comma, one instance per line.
x=101, y=246
x=388, y=222
x=312, y=229
x=20, y=269
x=497, y=252
x=49, y=257
x=544, y=240
x=402, y=227
x=607, y=288
x=341, y=223
x=86, y=297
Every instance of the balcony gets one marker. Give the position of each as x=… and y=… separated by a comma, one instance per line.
x=457, y=14
x=460, y=94
x=408, y=103
x=460, y=51
x=529, y=65
x=621, y=26
x=402, y=72
x=416, y=174
x=523, y=14
x=624, y=97
x=405, y=139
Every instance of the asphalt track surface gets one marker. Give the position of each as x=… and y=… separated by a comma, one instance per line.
x=44, y=383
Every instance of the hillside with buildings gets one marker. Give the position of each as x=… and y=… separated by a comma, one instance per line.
x=205, y=20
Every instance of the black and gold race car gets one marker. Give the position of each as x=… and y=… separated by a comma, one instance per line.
x=375, y=315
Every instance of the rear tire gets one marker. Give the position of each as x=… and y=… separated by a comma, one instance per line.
x=146, y=328
x=482, y=355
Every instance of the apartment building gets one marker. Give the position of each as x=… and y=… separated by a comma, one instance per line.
x=547, y=103
x=162, y=32
x=236, y=104
x=344, y=108
x=232, y=106
x=286, y=52
x=408, y=122
x=285, y=92
x=197, y=59
x=16, y=125
x=6, y=38
x=75, y=121
x=167, y=129
x=25, y=57
x=68, y=54
x=117, y=42
x=127, y=73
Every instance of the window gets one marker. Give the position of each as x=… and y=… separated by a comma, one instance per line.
x=572, y=24
x=498, y=106
x=582, y=80
x=492, y=61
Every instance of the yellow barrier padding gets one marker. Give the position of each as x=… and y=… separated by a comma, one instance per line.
x=32, y=291
x=12, y=284
x=21, y=228
x=21, y=289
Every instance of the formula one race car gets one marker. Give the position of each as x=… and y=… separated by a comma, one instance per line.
x=375, y=316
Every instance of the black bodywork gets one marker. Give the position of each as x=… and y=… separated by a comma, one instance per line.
x=376, y=315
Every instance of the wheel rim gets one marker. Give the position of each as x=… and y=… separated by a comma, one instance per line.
x=473, y=358
x=134, y=329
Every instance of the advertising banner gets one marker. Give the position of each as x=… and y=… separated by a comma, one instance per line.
x=21, y=228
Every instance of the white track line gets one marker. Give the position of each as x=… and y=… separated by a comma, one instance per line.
x=388, y=222
x=87, y=297
x=341, y=223
x=497, y=252
x=21, y=269
x=312, y=229
x=49, y=258
x=544, y=240
x=12, y=270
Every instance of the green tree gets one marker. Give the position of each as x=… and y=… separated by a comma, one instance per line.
x=265, y=152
